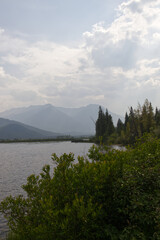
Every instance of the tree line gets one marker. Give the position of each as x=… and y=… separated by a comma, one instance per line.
x=136, y=123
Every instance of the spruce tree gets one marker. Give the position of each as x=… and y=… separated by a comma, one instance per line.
x=120, y=127
x=157, y=117
x=100, y=123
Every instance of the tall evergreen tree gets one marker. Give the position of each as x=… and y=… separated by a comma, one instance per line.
x=110, y=126
x=126, y=120
x=100, y=123
x=157, y=117
x=120, y=126
x=147, y=117
x=132, y=125
x=104, y=124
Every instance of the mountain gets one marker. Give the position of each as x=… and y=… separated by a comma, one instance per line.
x=88, y=114
x=68, y=121
x=15, y=130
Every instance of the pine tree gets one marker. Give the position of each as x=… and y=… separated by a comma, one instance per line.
x=100, y=123
x=157, y=117
x=120, y=126
x=104, y=124
x=110, y=126
x=148, y=118
x=126, y=120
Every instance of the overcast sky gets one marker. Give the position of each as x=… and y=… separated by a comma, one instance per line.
x=72, y=53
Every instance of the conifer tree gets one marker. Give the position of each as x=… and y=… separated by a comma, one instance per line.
x=100, y=123
x=110, y=126
x=120, y=126
x=126, y=120
x=104, y=124
x=157, y=117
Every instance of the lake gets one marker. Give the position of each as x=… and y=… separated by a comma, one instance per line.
x=19, y=160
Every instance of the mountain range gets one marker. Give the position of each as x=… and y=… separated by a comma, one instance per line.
x=66, y=121
x=10, y=130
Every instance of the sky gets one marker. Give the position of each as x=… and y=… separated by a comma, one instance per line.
x=72, y=53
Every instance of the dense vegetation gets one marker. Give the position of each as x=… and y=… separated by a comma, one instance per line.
x=137, y=122
x=112, y=195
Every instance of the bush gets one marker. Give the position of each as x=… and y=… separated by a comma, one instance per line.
x=113, y=195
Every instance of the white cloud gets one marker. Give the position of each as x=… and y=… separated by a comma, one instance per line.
x=2, y=73
x=11, y=44
x=115, y=64
x=24, y=95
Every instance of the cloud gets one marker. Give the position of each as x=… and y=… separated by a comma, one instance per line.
x=2, y=73
x=6, y=79
x=114, y=65
x=24, y=96
x=132, y=36
x=10, y=44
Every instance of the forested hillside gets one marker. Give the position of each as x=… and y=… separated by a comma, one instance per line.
x=138, y=121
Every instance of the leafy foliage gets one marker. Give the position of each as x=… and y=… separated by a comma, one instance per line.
x=111, y=195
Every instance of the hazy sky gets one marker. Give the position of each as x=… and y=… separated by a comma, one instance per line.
x=72, y=53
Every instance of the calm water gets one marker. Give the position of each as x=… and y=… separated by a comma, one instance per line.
x=19, y=160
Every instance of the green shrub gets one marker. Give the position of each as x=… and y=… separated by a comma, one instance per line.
x=113, y=195
x=12, y=236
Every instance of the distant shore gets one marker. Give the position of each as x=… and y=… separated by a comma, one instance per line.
x=72, y=139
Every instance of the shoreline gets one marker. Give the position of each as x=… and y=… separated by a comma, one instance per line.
x=75, y=140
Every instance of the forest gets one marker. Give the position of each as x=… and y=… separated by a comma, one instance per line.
x=137, y=122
